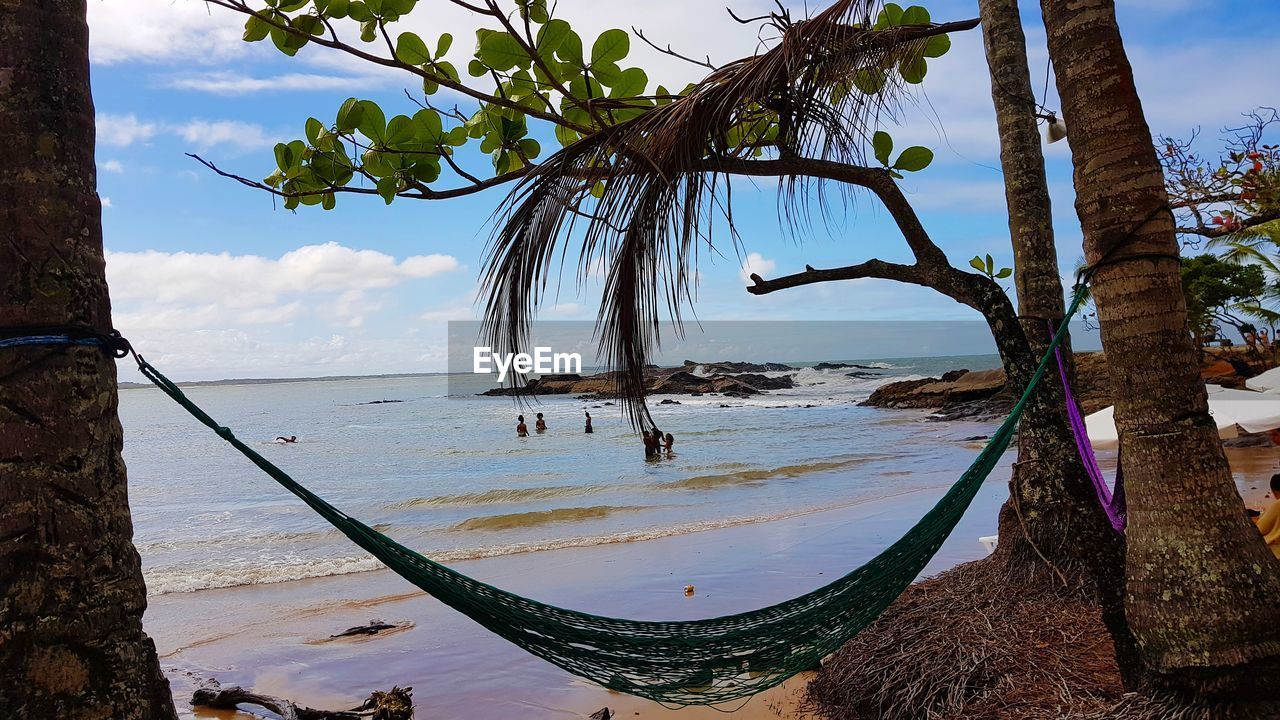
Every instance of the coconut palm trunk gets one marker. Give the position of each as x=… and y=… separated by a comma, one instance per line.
x=71, y=589
x=1052, y=518
x=1201, y=585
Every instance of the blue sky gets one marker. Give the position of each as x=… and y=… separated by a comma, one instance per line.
x=211, y=279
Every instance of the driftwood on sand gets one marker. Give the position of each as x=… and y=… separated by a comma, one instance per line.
x=372, y=628
x=394, y=704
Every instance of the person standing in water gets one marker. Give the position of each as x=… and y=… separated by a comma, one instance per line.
x=588, y=430
x=650, y=444
x=669, y=442
x=522, y=430
x=541, y=425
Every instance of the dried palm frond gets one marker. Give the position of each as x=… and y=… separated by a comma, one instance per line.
x=659, y=190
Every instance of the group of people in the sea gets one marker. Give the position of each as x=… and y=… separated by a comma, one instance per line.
x=655, y=442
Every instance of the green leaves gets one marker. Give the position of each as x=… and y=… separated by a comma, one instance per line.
x=913, y=159
x=611, y=46
x=410, y=49
x=256, y=28
x=914, y=15
x=371, y=123
x=500, y=51
x=937, y=46
x=913, y=67
x=987, y=266
x=630, y=82
x=400, y=130
x=349, y=115
x=890, y=16
x=551, y=36
x=882, y=144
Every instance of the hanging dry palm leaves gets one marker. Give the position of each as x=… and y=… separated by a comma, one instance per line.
x=647, y=191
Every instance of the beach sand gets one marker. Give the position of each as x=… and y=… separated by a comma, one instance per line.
x=274, y=638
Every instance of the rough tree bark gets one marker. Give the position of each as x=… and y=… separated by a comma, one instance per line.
x=1052, y=509
x=71, y=589
x=1201, y=585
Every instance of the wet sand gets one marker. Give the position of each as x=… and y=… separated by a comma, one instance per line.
x=275, y=638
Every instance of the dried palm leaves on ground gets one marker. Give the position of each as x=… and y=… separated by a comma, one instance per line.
x=967, y=644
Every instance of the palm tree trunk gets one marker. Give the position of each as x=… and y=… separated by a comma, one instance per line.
x=1052, y=510
x=1201, y=585
x=71, y=589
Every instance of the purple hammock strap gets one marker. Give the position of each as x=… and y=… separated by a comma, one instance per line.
x=1112, y=503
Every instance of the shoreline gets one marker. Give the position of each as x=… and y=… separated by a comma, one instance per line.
x=274, y=637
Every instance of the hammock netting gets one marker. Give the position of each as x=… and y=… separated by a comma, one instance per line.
x=698, y=662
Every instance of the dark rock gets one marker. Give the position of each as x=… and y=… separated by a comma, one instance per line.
x=669, y=401
x=957, y=394
x=764, y=382
x=737, y=367
x=380, y=402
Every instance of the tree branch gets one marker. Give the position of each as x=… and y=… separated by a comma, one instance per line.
x=1223, y=230
x=668, y=51
x=422, y=193
x=870, y=269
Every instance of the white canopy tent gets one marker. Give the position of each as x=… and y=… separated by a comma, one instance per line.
x=1267, y=382
x=1231, y=410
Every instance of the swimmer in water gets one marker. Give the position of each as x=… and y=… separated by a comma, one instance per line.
x=290, y=439
x=669, y=442
x=522, y=430
x=589, y=430
x=541, y=425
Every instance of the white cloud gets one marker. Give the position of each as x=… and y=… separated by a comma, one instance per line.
x=756, y=263
x=204, y=134
x=162, y=292
x=230, y=83
x=123, y=130
x=112, y=166
x=242, y=281
x=106, y=201
x=158, y=30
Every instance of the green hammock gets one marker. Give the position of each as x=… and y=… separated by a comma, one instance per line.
x=698, y=662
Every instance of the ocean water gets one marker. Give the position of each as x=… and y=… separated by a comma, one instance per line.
x=447, y=476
